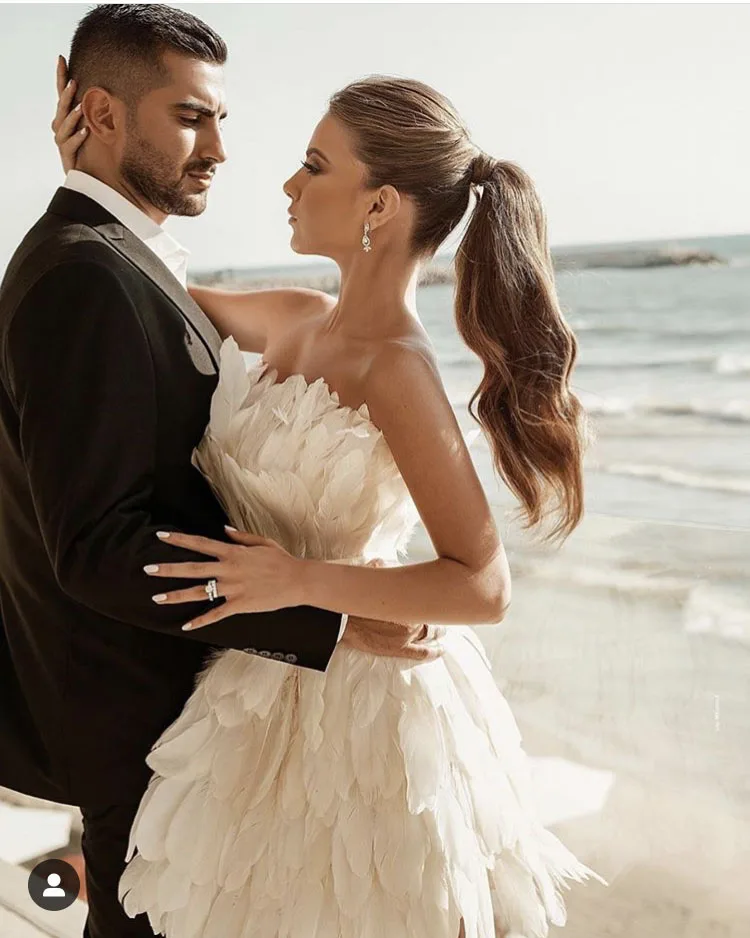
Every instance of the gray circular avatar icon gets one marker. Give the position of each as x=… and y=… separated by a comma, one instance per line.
x=54, y=885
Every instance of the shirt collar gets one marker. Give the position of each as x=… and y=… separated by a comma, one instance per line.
x=161, y=242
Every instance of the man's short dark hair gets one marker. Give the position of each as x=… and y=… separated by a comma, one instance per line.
x=119, y=47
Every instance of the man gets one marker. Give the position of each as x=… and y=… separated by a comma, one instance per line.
x=107, y=368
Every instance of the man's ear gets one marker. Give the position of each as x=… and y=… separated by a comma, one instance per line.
x=104, y=113
x=385, y=206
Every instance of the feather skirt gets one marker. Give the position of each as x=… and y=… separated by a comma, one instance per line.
x=380, y=798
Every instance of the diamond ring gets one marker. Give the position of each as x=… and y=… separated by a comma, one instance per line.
x=212, y=590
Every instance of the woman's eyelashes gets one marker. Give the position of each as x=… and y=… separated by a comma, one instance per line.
x=313, y=170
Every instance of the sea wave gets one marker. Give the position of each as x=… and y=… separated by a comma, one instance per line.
x=706, y=608
x=719, y=330
x=732, y=411
x=672, y=476
x=614, y=578
x=713, y=610
x=728, y=363
x=732, y=364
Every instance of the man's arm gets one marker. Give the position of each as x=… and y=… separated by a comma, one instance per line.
x=81, y=373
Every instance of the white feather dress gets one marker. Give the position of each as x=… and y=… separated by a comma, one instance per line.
x=380, y=798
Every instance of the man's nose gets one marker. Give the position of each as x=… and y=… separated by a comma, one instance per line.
x=213, y=147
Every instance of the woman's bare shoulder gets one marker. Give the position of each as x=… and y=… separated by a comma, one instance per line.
x=304, y=298
x=412, y=343
x=294, y=305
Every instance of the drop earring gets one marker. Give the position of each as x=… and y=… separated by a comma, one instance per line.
x=366, y=243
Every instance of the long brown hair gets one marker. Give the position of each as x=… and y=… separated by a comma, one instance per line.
x=506, y=308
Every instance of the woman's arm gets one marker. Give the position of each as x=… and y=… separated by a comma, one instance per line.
x=470, y=581
x=442, y=591
x=251, y=317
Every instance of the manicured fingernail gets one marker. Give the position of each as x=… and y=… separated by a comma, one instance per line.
x=151, y=568
x=229, y=527
x=159, y=598
x=84, y=131
x=186, y=628
x=70, y=82
x=163, y=533
x=78, y=106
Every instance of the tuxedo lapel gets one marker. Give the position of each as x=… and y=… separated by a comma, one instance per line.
x=81, y=208
x=130, y=246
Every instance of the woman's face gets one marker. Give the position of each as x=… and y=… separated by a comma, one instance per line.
x=329, y=202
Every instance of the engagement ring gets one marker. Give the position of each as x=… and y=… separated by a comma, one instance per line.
x=212, y=590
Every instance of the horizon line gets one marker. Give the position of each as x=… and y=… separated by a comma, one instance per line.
x=448, y=256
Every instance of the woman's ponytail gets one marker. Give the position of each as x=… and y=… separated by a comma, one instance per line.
x=508, y=314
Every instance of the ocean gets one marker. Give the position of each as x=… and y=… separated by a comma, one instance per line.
x=664, y=372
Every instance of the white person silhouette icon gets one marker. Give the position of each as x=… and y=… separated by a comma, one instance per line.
x=54, y=885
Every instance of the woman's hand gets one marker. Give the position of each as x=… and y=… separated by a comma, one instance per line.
x=255, y=575
x=68, y=136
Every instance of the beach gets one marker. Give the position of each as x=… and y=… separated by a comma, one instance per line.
x=626, y=652
x=610, y=680
x=638, y=730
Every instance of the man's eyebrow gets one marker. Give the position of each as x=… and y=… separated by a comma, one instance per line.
x=199, y=108
x=314, y=151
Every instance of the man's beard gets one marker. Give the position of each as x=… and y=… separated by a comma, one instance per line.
x=152, y=174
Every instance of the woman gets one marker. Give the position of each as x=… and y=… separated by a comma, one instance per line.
x=382, y=797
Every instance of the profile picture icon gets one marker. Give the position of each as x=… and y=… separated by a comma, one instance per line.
x=54, y=885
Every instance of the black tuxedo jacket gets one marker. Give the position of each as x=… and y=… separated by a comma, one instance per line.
x=107, y=368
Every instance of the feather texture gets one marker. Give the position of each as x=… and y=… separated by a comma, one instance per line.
x=378, y=798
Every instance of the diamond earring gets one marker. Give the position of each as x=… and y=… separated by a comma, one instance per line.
x=366, y=243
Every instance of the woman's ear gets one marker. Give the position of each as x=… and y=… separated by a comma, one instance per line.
x=385, y=206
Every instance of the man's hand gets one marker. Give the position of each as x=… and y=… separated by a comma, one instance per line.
x=394, y=639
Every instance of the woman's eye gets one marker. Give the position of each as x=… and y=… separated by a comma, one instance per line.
x=310, y=168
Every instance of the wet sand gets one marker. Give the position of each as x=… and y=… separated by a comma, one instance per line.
x=608, y=678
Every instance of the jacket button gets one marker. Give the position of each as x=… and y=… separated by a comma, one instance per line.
x=278, y=655
x=251, y=651
x=265, y=654
x=291, y=658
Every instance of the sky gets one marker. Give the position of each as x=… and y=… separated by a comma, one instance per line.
x=632, y=120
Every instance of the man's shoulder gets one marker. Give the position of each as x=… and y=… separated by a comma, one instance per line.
x=50, y=248
x=58, y=240
x=64, y=266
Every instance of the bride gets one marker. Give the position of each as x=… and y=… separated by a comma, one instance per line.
x=383, y=796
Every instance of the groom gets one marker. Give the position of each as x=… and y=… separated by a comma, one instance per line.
x=107, y=368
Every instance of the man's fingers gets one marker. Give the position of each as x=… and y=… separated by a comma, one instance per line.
x=426, y=651
x=436, y=633
x=431, y=633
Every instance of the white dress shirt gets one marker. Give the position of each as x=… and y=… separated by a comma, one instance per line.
x=166, y=248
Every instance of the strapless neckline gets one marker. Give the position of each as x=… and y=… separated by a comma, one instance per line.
x=363, y=411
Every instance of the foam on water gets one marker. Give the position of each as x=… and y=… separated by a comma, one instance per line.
x=672, y=476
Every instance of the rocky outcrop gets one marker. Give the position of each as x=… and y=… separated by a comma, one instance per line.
x=441, y=271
